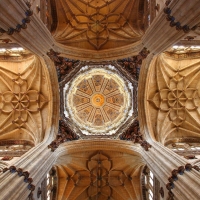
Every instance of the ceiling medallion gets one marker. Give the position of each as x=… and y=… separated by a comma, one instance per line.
x=98, y=100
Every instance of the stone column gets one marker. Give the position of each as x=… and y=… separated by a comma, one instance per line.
x=36, y=37
x=162, y=161
x=38, y=162
x=160, y=35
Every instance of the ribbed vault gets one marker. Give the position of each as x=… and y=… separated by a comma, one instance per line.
x=173, y=96
x=24, y=99
x=99, y=175
x=98, y=25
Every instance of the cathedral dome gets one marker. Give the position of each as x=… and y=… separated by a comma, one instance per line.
x=98, y=100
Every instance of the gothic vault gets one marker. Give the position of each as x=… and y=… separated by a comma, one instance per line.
x=100, y=100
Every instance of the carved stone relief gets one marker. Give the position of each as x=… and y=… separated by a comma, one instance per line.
x=132, y=65
x=173, y=97
x=133, y=134
x=63, y=65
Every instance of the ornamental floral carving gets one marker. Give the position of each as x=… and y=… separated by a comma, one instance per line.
x=132, y=64
x=174, y=97
x=63, y=65
x=65, y=134
x=133, y=134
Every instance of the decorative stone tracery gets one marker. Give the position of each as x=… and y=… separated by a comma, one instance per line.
x=177, y=99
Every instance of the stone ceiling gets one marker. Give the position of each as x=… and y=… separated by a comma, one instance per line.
x=24, y=98
x=98, y=100
x=98, y=25
x=99, y=175
x=173, y=96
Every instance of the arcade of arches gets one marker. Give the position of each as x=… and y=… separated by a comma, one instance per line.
x=100, y=100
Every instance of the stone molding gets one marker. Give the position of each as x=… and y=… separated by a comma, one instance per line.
x=25, y=20
x=174, y=176
x=27, y=178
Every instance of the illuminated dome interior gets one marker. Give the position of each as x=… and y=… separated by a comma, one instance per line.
x=99, y=100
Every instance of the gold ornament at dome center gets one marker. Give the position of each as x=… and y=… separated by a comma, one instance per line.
x=98, y=100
